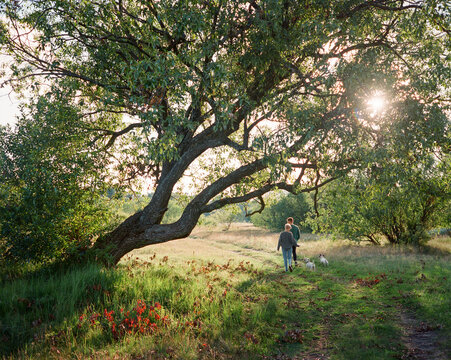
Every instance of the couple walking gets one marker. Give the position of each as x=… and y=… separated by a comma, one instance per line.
x=288, y=241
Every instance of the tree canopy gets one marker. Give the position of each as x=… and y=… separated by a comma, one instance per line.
x=243, y=96
x=397, y=202
x=280, y=207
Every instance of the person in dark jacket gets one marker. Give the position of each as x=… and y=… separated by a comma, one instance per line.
x=286, y=242
x=297, y=235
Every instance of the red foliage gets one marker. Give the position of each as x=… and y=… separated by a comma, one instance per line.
x=369, y=281
x=137, y=320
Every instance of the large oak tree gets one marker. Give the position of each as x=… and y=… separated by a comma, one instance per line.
x=244, y=96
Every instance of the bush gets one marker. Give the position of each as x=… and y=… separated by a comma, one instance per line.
x=279, y=208
x=400, y=207
x=51, y=203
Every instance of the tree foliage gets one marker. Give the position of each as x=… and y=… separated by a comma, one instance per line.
x=49, y=195
x=282, y=206
x=241, y=96
x=403, y=192
x=400, y=210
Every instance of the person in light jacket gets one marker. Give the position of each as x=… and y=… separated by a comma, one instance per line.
x=286, y=242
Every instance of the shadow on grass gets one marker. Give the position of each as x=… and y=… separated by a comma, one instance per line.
x=352, y=309
x=45, y=302
x=340, y=310
x=432, y=250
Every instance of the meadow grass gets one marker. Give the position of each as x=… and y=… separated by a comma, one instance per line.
x=225, y=296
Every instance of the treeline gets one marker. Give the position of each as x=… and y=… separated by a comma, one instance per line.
x=41, y=226
x=392, y=209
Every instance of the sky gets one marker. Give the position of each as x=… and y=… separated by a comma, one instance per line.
x=8, y=106
x=8, y=101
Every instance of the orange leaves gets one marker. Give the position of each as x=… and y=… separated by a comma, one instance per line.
x=370, y=281
x=135, y=321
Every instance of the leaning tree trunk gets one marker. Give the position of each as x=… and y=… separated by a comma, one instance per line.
x=135, y=232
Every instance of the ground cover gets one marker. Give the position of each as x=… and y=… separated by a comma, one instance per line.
x=224, y=295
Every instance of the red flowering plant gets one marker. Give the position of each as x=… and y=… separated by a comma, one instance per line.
x=142, y=319
x=369, y=281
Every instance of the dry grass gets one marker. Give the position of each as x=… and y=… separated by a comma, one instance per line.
x=243, y=241
x=240, y=242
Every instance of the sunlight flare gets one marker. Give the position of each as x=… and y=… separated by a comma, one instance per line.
x=376, y=104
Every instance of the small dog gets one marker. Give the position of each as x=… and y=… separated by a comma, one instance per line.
x=309, y=264
x=323, y=260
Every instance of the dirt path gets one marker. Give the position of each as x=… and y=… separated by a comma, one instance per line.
x=421, y=340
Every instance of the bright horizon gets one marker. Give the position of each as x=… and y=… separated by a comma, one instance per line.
x=8, y=106
x=8, y=100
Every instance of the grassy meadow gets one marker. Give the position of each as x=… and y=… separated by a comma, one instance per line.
x=224, y=295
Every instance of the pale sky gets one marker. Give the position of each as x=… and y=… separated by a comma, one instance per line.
x=8, y=106
x=8, y=100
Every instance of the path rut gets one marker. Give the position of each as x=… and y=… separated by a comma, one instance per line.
x=421, y=340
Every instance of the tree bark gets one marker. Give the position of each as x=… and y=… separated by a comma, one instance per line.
x=134, y=234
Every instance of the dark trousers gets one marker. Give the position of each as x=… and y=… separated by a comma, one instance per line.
x=294, y=253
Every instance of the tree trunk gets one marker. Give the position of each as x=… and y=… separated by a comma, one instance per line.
x=135, y=232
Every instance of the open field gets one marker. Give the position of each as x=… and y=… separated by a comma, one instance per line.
x=224, y=295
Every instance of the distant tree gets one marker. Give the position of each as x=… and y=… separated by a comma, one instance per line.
x=401, y=211
x=225, y=216
x=401, y=194
x=258, y=95
x=50, y=205
x=285, y=205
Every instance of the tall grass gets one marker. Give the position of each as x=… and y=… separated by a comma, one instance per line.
x=225, y=295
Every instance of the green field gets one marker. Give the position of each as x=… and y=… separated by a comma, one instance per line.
x=224, y=295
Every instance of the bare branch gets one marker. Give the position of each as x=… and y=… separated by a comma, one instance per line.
x=261, y=201
x=116, y=134
x=379, y=4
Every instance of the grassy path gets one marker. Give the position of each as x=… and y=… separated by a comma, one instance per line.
x=353, y=309
x=420, y=339
x=224, y=295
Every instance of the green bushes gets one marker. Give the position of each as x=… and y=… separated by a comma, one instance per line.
x=279, y=208
x=50, y=194
x=395, y=204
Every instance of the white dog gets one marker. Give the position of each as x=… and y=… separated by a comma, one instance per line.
x=309, y=264
x=323, y=260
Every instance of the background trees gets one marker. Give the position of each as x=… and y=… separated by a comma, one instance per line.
x=244, y=97
x=403, y=191
x=282, y=206
x=51, y=187
x=400, y=209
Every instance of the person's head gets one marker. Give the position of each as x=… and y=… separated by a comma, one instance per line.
x=287, y=227
x=290, y=220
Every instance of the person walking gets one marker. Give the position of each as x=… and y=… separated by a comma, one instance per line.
x=287, y=242
x=297, y=235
